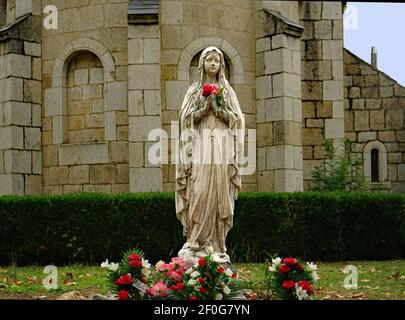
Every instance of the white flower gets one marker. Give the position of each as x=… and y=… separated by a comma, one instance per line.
x=229, y=272
x=218, y=296
x=276, y=261
x=301, y=293
x=104, y=264
x=113, y=266
x=312, y=267
x=216, y=258
x=159, y=263
x=194, y=274
x=272, y=268
x=109, y=266
x=145, y=263
x=189, y=270
x=146, y=272
x=226, y=290
x=315, y=276
x=192, y=282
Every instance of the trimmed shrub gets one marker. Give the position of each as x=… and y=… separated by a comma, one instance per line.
x=90, y=227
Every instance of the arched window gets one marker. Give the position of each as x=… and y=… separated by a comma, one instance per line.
x=375, y=174
x=375, y=161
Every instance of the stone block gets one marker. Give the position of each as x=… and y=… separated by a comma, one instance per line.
x=76, y=154
x=32, y=49
x=317, y=70
x=122, y=174
x=17, y=65
x=33, y=184
x=263, y=44
x=13, y=89
x=144, y=77
x=311, y=10
x=81, y=77
x=286, y=84
x=312, y=90
x=276, y=61
x=323, y=29
x=332, y=50
x=120, y=188
x=36, y=69
x=135, y=51
x=135, y=103
x=401, y=172
x=104, y=188
x=118, y=152
x=59, y=175
x=145, y=179
x=394, y=157
x=151, y=51
x=115, y=15
x=17, y=113
x=11, y=138
x=264, y=134
x=377, y=120
x=312, y=136
x=387, y=136
x=263, y=87
x=394, y=119
x=32, y=138
x=11, y=184
x=139, y=127
x=95, y=92
x=152, y=102
x=332, y=10
x=324, y=110
x=76, y=122
x=175, y=92
x=280, y=157
x=136, y=154
x=172, y=13
x=72, y=188
x=333, y=90
x=265, y=181
x=36, y=162
x=91, y=17
x=361, y=122
x=390, y=103
x=279, y=109
x=367, y=136
x=392, y=172
x=334, y=128
x=32, y=91
x=102, y=174
x=94, y=120
x=96, y=75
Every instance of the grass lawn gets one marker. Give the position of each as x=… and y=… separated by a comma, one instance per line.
x=376, y=280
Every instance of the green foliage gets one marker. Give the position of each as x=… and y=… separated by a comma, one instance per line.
x=340, y=171
x=88, y=228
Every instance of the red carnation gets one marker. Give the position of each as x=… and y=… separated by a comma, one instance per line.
x=288, y=284
x=194, y=298
x=135, y=260
x=306, y=286
x=174, y=288
x=202, y=290
x=221, y=269
x=299, y=267
x=209, y=89
x=124, y=280
x=290, y=261
x=234, y=275
x=123, y=295
x=201, y=262
x=180, y=285
x=201, y=280
x=284, y=268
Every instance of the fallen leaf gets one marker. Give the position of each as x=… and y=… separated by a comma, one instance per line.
x=16, y=282
x=402, y=277
x=326, y=297
x=339, y=296
x=365, y=280
x=373, y=269
x=88, y=275
x=32, y=280
x=395, y=275
x=358, y=295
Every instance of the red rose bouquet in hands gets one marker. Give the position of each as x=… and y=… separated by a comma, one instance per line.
x=209, y=89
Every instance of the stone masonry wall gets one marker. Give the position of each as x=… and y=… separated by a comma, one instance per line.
x=322, y=80
x=85, y=114
x=189, y=26
x=20, y=107
x=144, y=104
x=374, y=113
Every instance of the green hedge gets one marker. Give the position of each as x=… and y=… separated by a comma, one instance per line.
x=88, y=228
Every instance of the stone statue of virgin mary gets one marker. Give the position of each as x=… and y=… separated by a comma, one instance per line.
x=209, y=153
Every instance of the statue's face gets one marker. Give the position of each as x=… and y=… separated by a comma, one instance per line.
x=212, y=63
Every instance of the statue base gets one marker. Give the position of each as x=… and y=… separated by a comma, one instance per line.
x=189, y=255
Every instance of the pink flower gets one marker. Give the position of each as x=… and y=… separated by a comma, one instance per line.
x=178, y=264
x=158, y=290
x=166, y=267
x=174, y=275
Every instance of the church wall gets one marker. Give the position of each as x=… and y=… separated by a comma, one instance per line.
x=322, y=80
x=93, y=36
x=20, y=107
x=144, y=103
x=187, y=27
x=374, y=112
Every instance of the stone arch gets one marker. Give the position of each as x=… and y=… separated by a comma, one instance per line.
x=237, y=73
x=56, y=96
x=382, y=159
